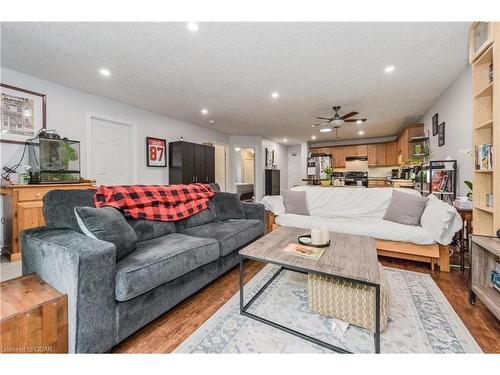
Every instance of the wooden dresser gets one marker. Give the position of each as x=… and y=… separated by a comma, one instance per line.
x=22, y=206
x=33, y=317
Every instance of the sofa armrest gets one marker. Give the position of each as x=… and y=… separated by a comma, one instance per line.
x=254, y=210
x=83, y=268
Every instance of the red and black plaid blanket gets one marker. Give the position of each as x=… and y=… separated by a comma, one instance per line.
x=155, y=202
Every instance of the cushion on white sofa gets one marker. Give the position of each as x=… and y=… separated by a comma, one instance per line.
x=441, y=220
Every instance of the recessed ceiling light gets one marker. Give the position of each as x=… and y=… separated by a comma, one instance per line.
x=211, y=122
x=285, y=140
x=275, y=95
x=325, y=130
x=204, y=111
x=192, y=26
x=389, y=69
x=359, y=122
x=105, y=72
x=313, y=137
x=361, y=132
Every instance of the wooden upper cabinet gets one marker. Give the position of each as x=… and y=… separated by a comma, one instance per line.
x=362, y=150
x=391, y=153
x=338, y=154
x=356, y=150
x=381, y=161
x=321, y=150
x=351, y=151
x=404, y=145
x=372, y=154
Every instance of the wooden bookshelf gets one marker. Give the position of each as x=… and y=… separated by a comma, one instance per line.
x=486, y=127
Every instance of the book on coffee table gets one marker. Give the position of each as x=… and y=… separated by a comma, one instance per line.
x=303, y=251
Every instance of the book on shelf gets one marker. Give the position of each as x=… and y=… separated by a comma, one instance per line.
x=495, y=279
x=483, y=157
x=440, y=181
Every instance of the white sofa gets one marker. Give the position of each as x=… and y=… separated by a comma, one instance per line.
x=361, y=212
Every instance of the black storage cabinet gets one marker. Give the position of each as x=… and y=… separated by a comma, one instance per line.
x=272, y=182
x=190, y=162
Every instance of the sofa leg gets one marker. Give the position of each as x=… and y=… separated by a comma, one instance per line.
x=433, y=262
x=444, y=258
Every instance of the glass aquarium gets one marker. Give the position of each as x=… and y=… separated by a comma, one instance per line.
x=54, y=161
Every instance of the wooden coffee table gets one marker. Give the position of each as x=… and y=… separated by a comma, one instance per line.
x=349, y=257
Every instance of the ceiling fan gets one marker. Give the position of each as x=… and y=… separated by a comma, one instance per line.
x=337, y=121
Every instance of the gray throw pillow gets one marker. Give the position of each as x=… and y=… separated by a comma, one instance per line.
x=107, y=224
x=405, y=208
x=295, y=202
x=228, y=206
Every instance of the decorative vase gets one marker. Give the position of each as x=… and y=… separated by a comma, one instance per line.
x=326, y=182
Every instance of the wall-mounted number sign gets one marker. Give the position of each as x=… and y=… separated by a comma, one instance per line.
x=155, y=152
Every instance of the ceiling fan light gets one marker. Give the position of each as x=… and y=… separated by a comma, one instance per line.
x=338, y=122
x=325, y=130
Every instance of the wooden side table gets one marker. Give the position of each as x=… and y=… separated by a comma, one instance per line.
x=33, y=317
x=464, y=234
x=23, y=210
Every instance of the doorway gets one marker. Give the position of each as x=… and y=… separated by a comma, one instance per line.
x=112, y=151
x=245, y=173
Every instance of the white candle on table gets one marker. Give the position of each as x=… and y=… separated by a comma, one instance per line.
x=316, y=236
x=325, y=235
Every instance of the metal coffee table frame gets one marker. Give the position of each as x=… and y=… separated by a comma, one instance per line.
x=244, y=307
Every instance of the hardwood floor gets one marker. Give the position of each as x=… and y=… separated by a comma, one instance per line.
x=165, y=333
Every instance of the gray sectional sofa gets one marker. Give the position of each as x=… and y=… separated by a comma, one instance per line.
x=110, y=299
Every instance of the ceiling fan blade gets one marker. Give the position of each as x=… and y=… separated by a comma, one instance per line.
x=356, y=120
x=321, y=124
x=324, y=118
x=350, y=114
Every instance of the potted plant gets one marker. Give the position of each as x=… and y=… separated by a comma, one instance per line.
x=469, y=185
x=328, y=171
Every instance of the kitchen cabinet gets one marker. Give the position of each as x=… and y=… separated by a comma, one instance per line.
x=23, y=209
x=391, y=153
x=361, y=150
x=372, y=155
x=338, y=154
x=381, y=161
x=405, y=148
x=321, y=150
x=351, y=151
x=191, y=162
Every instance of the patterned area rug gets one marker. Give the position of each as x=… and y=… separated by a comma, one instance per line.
x=420, y=321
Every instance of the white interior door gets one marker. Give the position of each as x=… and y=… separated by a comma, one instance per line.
x=112, y=152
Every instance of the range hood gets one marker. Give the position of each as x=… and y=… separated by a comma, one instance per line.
x=356, y=164
x=356, y=158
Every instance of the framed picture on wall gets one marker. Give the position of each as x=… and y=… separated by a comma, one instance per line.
x=441, y=137
x=435, y=121
x=156, y=149
x=22, y=114
x=269, y=159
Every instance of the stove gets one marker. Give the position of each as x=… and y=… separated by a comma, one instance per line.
x=353, y=178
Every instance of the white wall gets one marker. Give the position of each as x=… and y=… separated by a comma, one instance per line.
x=67, y=111
x=454, y=107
